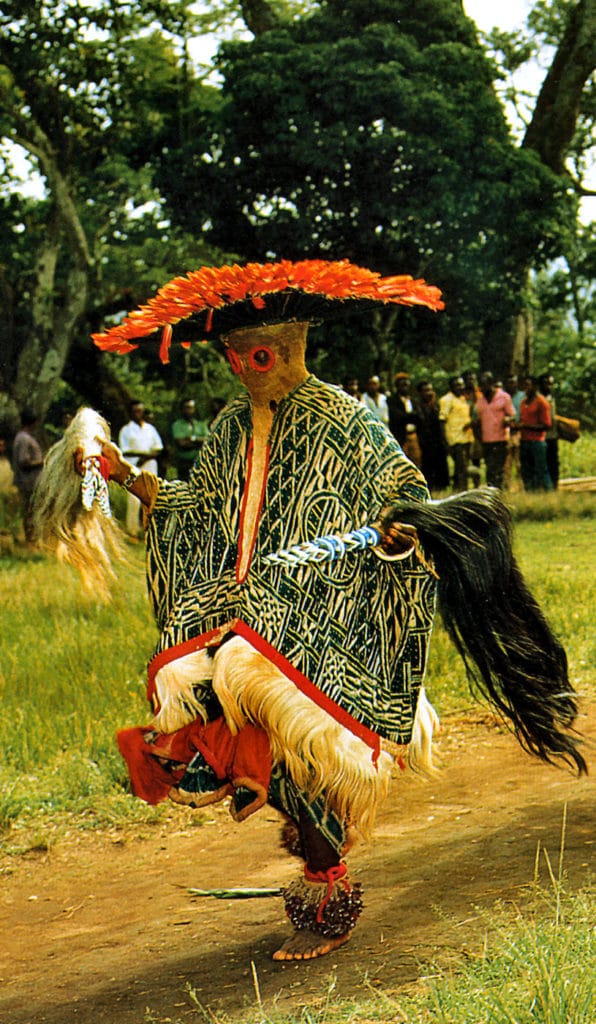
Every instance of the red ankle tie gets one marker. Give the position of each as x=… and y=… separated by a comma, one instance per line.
x=331, y=876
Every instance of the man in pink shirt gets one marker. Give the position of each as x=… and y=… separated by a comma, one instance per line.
x=495, y=413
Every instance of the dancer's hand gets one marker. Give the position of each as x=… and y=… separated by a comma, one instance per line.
x=119, y=467
x=397, y=537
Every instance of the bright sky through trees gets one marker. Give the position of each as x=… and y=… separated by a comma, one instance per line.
x=507, y=14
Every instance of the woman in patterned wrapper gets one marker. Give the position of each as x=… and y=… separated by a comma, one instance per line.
x=300, y=684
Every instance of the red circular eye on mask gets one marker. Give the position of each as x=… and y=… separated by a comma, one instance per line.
x=261, y=359
x=234, y=361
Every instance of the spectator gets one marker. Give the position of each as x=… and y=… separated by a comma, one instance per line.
x=434, y=456
x=27, y=462
x=495, y=413
x=514, y=391
x=9, y=495
x=189, y=435
x=403, y=418
x=471, y=390
x=456, y=430
x=352, y=387
x=534, y=422
x=472, y=394
x=375, y=401
x=512, y=472
x=545, y=385
x=140, y=444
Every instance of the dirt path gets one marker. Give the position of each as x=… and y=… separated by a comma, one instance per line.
x=102, y=926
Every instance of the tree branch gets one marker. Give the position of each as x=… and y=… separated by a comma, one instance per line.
x=557, y=108
x=32, y=138
x=259, y=16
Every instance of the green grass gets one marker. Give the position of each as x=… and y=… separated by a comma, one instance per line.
x=578, y=459
x=534, y=967
x=537, y=968
x=71, y=672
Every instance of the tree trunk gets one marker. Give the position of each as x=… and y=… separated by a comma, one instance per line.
x=557, y=108
x=35, y=366
x=41, y=359
x=509, y=344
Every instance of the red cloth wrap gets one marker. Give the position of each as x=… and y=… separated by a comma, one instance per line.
x=245, y=755
x=104, y=467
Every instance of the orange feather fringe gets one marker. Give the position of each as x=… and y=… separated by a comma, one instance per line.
x=213, y=288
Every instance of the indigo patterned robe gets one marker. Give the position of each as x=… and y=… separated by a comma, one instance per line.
x=352, y=634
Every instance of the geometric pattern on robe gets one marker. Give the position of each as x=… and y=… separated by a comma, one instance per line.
x=352, y=634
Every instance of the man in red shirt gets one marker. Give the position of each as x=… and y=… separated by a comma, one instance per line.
x=534, y=418
x=495, y=413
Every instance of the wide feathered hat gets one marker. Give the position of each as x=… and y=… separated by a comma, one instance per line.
x=214, y=301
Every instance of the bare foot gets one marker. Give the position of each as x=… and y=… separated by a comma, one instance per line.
x=307, y=945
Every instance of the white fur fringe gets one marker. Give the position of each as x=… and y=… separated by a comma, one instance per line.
x=174, y=686
x=319, y=753
x=420, y=747
x=87, y=540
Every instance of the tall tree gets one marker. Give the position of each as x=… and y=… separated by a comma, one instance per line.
x=370, y=130
x=79, y=84
x=559, y=130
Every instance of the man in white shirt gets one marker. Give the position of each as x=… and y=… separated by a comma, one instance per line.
x=374, y=400
x=140, y=444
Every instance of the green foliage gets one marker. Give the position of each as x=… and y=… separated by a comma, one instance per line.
x=84, y=89
x=367, y=130
x=203, y=373
x=565, y=337
x=380, y=139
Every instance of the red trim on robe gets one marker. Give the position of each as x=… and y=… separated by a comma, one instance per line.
x=304, y=684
